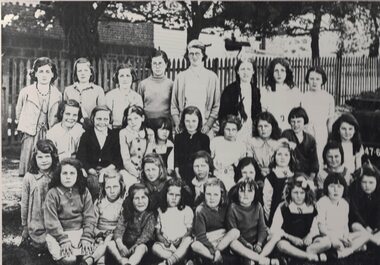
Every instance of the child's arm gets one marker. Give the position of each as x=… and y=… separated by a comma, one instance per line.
x=262, y=227
x=101, y=100
x=83, y=151
x=25, y=205
x=118, y=235
x=314, y=167
x=267, y=197
x=322, y=225
x=159, y=235
x=97, y=215
x=215, y=105
x=125, y=154
x=147, y=231
x=52, y=223
x=88, y=224
x=278, y=220
x=20, y=103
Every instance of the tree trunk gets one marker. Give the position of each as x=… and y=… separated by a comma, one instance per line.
x=374, y=46
x=314, y=32
x=193, y=33
x=80, y=24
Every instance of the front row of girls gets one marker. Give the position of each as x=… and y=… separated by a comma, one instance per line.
x=58, y=212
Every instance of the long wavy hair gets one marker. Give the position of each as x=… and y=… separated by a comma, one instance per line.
x=269, y=78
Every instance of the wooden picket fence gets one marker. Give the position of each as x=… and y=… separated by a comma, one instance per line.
x=347, y=77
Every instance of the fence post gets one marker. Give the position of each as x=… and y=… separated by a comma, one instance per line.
x=4, y=100
x=338, y=69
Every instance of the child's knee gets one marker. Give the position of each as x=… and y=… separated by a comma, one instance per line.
x=69, y=260
x=234, y=233
x=142, y=248
x=196, y=245
x=281, y=245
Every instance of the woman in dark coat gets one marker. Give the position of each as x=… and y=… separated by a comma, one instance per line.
x=242, y=97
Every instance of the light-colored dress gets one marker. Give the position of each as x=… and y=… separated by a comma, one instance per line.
x=280, y=103
x=262, y=151
x=226, y=154
x=320, y=107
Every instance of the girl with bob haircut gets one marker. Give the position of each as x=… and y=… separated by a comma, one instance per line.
x=84, y=90
x=99, y=148
x=156, y=90
x=135, y=229
x=123, y=96
x=189, y=141
x=305, y=148
x=36, y=109
x=66, y=134
x=280, y=95
x=34, y=188
x=320, y=106
x=154, y=176
x=264, y=142
x=69, y=214
x=226, y=161
x=172, y=245
x=364, y=194
x=333, y=218
x=211, y=237
x=295, y=226
x=246, y=214
x=242, y=97
x=345, y=131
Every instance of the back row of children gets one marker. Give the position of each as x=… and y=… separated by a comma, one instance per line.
x=58, y=212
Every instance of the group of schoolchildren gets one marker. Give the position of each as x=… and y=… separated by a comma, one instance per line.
x=101, y=180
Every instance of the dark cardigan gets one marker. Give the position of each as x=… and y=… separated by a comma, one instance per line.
x=90, y=154
x=231, y=101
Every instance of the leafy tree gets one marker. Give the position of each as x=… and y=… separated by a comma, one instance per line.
x=79, y=21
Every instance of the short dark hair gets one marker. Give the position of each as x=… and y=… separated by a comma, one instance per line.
x=100, y=108
x=191, y=110
x=70, y=103
x=173, y=182
x=332, y=145
x=133, y=109
x=83, y=60
x=45, y=146
x=318, y=70
x=298, y=112
x=42, y=61
x=162, y=123
x=157, y=53
x=243, y=185
x=269, y=79
x=207, y=157
x=334, y=178
x=115, y=77
x=245, y=161
x=81, y=182
x=268, y=117
x=231, y=119
x=350, y=119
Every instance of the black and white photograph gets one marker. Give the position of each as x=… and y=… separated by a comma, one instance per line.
x=190, y=132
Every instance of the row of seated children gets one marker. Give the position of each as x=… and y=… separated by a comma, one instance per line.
x=64, y=218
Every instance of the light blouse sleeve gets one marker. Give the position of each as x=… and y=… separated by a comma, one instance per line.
x=277, y=222
x=267, y=197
